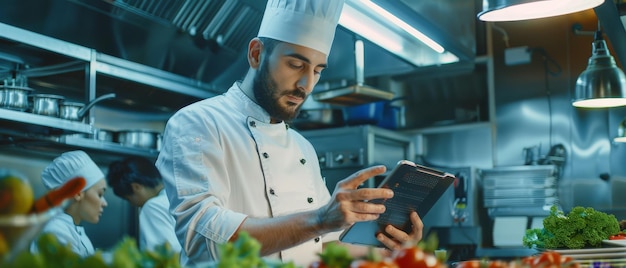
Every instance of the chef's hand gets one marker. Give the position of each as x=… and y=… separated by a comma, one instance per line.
x=396, y=238
x=349, y=204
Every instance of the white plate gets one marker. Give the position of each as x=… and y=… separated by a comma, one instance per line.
x=602, y=263
x=587, y=255
x=589, y=250
x=618, y=242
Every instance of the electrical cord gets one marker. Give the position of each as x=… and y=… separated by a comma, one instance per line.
x=505, y=36
x=547, y=62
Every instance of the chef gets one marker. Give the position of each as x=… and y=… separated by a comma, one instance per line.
x=84, y=206
x=136, y=180
x=231, y=163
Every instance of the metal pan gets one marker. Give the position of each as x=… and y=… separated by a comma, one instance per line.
x=46, y=104
x=140, y=138
x=14, y=97
x=75, y=111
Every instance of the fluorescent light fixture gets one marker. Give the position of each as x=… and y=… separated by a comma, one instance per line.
x=384, y=29
x=404, y=26
x=515, y=10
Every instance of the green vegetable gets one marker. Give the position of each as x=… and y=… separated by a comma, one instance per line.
x=335, y=256
x=244, y=252
x=580, y=228
x=430, y=244
x=52, y=254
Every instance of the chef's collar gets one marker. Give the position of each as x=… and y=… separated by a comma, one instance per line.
x=250, y=107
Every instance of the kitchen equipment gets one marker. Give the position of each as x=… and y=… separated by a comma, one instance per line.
x=46, y=104
x=14, y=97
x=531, y=154
x=370, y=113
x=358, y=93
x=514, y=192
x=140, y=138
x=345, y=150
x=318, y=118
x=393, y=116
x=103, y=135
x=385, y=114
x=69, y=110
x=75, y=111
x=520, y=189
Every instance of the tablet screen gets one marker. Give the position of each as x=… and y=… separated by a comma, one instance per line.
x=416, y=188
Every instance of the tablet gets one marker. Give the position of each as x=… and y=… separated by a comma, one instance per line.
x=416, y=188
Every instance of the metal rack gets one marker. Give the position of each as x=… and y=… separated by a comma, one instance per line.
x=519, y=190
x=59, y=67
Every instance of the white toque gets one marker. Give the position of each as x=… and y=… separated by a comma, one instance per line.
x=70, y=165
x=309, y=23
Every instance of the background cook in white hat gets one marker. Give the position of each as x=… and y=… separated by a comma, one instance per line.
x=84, y=206
x=231, y=163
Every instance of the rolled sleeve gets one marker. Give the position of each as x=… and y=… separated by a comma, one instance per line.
x=197, y=186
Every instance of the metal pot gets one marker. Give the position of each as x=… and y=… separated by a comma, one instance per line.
x=46, y=104
x=14, y=97
x=102, y=135
x=69, y=110
x=75, y=111
x=140, y=138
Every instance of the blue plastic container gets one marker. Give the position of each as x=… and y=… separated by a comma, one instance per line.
x=371, y=113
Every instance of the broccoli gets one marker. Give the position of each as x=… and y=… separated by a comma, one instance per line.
x=580, y=228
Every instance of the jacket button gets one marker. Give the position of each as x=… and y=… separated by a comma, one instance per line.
x=272, y=191
x=303, y=161
x=252, y=124
x=266, y=155
x=310, y=200
x=317, y=239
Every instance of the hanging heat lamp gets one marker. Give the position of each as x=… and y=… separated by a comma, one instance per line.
x=515, y=10
x=602, y=84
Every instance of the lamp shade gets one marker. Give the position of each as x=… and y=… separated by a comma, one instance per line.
x=514, y=10
x=602, y=84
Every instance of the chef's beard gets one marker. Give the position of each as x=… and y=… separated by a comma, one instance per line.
x=267, y=95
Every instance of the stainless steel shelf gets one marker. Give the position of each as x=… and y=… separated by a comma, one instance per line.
x=81, y=73
x=146, y=75
x=107, y=146
x=45, y=42
x=44, y=121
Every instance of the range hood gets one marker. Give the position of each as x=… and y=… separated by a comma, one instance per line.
x=355, y=94
x=206, y=40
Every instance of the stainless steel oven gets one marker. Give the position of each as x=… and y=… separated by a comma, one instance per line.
x=345, y=150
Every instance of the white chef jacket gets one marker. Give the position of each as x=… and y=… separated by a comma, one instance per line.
x=66, y=232
x=156, y=224
x=223, y=161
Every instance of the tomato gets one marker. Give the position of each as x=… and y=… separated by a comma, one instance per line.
x=618, y=236
x=482, y=264
x=547, y=257
x=317, y=264
x=373, y=264
x=414, y=257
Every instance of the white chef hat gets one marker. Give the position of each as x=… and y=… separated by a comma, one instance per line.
x=309, y=23
x=70, y=165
